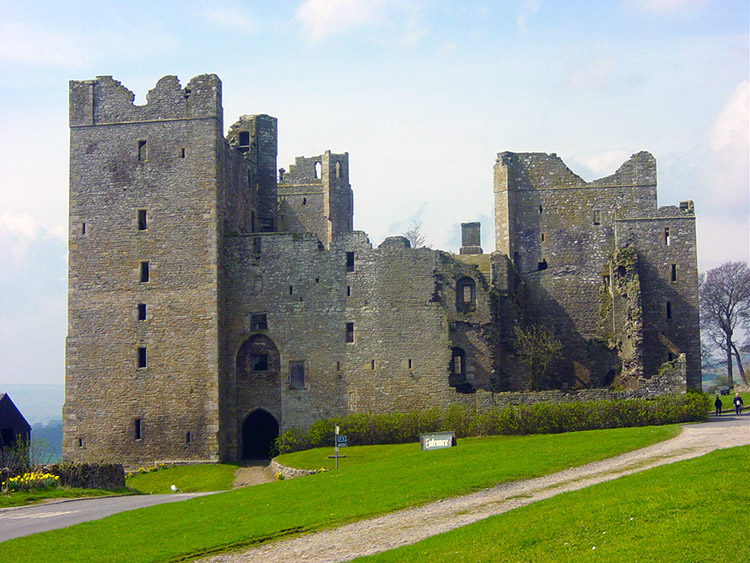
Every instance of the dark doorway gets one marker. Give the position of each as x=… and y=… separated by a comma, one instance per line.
x=259, y=431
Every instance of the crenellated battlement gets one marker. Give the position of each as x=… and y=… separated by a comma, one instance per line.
x=106, y=101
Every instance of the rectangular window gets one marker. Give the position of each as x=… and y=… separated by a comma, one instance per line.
x=258, y=321
x=142, y=151
x=145, y=272
x=669, y=309
x=667, y=238
x=673, y=275
x=138, y=428
x=260, y=362
x=142, y=357
x=350, y=332
x=597, y=217
x=297, y=375
x=142, y=223
x=350, y=261
x=670, y=356
x=141, y=311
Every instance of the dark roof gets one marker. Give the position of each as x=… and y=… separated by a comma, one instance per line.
x=10, y=415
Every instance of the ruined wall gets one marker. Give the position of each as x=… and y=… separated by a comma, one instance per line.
x=559, y=232
x=142, y=353
x=395, y=355
x=315, y=196
x=668, y=265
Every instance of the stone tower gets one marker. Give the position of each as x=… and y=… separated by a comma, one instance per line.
x=149, y=208
x=315, y=196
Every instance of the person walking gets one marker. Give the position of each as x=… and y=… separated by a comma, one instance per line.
x=737, y=401
x=717, y=405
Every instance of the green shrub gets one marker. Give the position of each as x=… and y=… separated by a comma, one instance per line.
x=540, y=418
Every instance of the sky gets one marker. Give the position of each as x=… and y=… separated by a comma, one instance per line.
x=422, y=94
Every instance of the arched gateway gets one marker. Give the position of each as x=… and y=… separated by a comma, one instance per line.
x=259, y=431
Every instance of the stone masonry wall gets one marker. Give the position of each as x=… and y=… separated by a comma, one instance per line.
x=142, y=354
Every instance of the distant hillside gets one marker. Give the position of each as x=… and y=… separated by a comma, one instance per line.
x=37, y=403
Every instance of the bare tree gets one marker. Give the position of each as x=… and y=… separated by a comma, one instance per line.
x=725, y=310
x=538, y=348
x=415, y=235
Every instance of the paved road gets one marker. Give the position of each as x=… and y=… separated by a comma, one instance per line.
x=26, y=520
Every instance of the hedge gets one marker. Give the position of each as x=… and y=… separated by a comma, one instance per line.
x=539, y=418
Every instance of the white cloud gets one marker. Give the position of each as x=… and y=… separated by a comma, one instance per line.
x=322, y=19
x=230, y=15
x=19, y=233
x=600, y=164
x=528, y=9
x=30, y=43
x=665, y=7
x=731, y=127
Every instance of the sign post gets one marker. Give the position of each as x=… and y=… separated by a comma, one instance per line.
x=339, y=441
x=336, y=446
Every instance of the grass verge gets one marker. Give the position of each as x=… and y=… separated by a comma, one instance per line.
x=371, y=480
x=187, y=478
x=686, y=511
x=23, y=498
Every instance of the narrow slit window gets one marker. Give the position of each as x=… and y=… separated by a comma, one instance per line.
x=188, y=437
x=297, y=375
x=372, y=365
x=669, y=309
x=542, y=237
x=350, y=332
x=142, y=220
x=304, y=201
x=83, y=228
x=597, y=217
x=317, y=171
x=141, y=311
x=339, y=173
x=182, y=152
x=410, y=364
x=291, y=290
x=145, y=272
x=673, y=273
x=142, y=151
x=80, y=442
x=138, y=428
x=142, y=359
x=348, y=291
x=338, y=366
x=350, y=261
x=667, y=237
x=540, y=209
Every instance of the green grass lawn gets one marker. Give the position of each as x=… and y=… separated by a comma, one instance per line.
x=187, y=478
x=371, y=480
x=695, y=510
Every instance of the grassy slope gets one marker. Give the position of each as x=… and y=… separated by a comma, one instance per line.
x=187, y=478
x=696, y=510
x=372, y=480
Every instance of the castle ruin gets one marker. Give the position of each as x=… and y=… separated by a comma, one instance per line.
x=216, y=300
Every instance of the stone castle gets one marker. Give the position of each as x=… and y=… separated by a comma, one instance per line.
x=216, y=300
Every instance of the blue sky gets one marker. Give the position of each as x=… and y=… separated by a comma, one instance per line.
x=422, y=94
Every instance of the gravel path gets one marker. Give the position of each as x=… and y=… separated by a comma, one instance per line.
x=253, y=473
x=409, y=526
